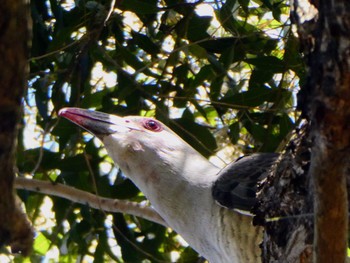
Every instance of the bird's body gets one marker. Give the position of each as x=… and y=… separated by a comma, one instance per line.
x=178, y=182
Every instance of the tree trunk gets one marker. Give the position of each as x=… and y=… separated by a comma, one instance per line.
x=285, y=205
x=15, y=229
x=304, y=204
x=326, y=102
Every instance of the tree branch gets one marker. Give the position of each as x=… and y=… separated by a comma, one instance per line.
x=85, y=198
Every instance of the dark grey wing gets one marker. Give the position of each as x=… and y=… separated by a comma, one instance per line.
x=236, y=185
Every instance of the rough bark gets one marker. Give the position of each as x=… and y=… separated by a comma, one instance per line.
x=285, y=205
x=304, y=203
x=325, y=101
x=15, y=230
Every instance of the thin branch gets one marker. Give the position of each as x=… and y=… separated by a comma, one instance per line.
x=48, y=128
x=111, y=8
x=52, y=53
x=85, y=198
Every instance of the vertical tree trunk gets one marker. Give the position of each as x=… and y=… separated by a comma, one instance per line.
x=15, y=229
x=307, y=194
x=326, y=102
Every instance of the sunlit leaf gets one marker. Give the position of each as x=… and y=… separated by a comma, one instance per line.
x=199, y=67
x=41, y=244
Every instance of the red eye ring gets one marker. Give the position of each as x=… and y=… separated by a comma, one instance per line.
x=152, y=125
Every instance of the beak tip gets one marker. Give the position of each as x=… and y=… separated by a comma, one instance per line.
x=62, y=112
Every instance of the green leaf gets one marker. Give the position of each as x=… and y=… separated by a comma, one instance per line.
x=225, y=16
x=216, y=64
x=160, y=51
x=188, y=255
x=260, y=76
x=50, y=160
x=205, y=73
x=286, y=125
x=273, y=64
x=251, y=98
x=124, y=189
x=292, y=56
x=145, y=43
x=196, y=135
x=234, y=130
x=41, y=244
x=244, y=4
x=140, y=7
x=197, y=51
x=41, y=86
x=132, y=59
x=220, y=45
x=94, y=100
x=197, y=27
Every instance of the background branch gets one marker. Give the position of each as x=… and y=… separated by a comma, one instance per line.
x=85, y=198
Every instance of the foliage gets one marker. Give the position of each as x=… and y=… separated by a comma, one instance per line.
x=230, y=73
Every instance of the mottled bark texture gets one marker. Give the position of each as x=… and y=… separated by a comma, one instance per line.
x=15, y=230
x=285, y=205
x=304, y=204
x=325, y=101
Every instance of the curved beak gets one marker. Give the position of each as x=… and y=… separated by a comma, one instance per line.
x=97, y=123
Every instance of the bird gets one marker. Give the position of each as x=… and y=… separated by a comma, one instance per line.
x=198, y=200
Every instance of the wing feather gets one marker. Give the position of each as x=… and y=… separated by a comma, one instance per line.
x=236, y=185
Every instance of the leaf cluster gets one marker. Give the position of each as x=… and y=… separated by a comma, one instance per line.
x=232, y=71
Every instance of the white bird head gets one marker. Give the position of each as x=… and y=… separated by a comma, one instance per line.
x=145, y=149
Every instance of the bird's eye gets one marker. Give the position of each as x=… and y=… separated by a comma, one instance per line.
x=153, y=125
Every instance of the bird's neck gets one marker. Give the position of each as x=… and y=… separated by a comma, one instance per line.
x=178, y=184
x=181, y=193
